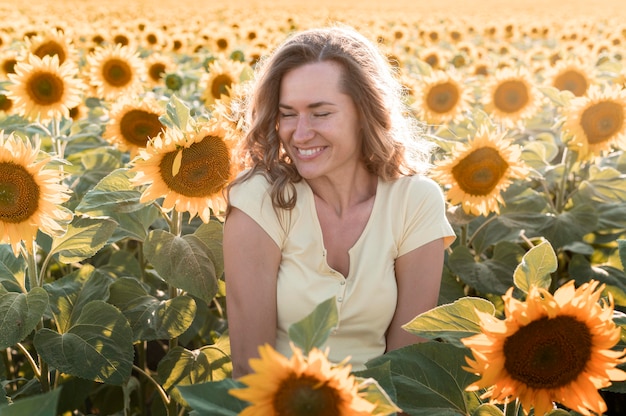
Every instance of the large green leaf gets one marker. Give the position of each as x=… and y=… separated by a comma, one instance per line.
x=564, y=228
x=581, y=270
x=44, y=404
x=115, y=197
x=451, y=322
x=177, y=115
x=19, y=314
x=536, y=268
x=604, y=184
x=113, y=194
x=182, y=367
x=313, y=330
x=493, y=275
x=429, y=378
x=12, y=270
x=211, y=234
x=71, y=293
x=85, y=236
x=98, y=346
x=212, y=398
x=184, y=262
x=151, y=318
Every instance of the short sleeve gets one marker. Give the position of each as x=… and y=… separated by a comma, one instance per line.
x=253, y=198
x=424, y=216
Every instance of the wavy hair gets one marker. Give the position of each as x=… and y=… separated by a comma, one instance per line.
x=392, y=144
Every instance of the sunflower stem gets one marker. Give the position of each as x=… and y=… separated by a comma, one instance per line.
x=567, y=160
x=480, y=228
x=176, y=229
x=164, y=397
x=30, y=359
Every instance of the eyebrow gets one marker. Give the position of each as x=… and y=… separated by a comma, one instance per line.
x=312, y=105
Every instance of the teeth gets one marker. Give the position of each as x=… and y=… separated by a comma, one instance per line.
x=309, y=152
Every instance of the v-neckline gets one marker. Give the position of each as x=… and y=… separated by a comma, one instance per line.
x=357, y=242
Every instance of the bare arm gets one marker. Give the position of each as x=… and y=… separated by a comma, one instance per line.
x=418, y=275
x=251, y=261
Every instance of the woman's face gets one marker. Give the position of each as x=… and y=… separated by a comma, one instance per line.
x=318, y=124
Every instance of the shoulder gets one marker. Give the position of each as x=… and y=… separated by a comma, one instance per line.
x=414, y=186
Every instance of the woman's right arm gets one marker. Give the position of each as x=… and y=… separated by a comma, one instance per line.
x=251, y=262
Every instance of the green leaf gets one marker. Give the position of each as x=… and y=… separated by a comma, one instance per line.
x=12, y=270
x=71, y=293
x=99, y=346
x=429, y=378
x=313, y=331
x=621, y=244
x=19, y=314
x=211, y=234
x=113, y=194
x=183, y=262
x=182, y=367
x=536, y=268
x=487, y=410
x=213, y=399
x=492, y=275
x=85, y=236
x=44, y=404
x=605, y=184
x=151, y=318
x=177, y=115
x=374, y=393
x=566, y=227
x=451, y=322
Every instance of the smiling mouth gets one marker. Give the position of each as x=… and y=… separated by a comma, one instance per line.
x=309, y=152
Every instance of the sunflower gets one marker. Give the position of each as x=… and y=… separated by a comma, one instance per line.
x=478, y=171
x=52, y=42
x=550, y=348
x=157, y=65
x=511, y=96
x=8, y=61
x=219, y=79
x=442, y=98
x=189, y=169
x=30, y=196
x=133, y=123
x=596, y=122
x=6, y=104
x=573, y=76
x=301, y=385
x=116, y=70
x=41, y=88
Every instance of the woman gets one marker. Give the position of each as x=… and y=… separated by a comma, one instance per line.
x=334, y=204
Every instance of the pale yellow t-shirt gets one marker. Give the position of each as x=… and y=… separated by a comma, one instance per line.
x=407, y=213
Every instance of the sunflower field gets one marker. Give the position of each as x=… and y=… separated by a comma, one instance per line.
x=119, y=122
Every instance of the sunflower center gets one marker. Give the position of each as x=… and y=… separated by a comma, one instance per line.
x=45, y=88
x=442, y=97
x=220, y=85
x=548, y=353
x=137, y=126
x=480, y=172
x=117, y=72
x=306, y=396
x=602, y=120
x=511, y=96
x=5, y=103
x=8, y=66
x=573, y=81
x=156, y=71
x=204, y=168
x=51, y=48
x=19, y=193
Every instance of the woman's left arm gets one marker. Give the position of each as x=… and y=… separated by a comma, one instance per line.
x=418, y=276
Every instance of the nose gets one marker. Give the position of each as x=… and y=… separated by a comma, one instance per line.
x=303, y=130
